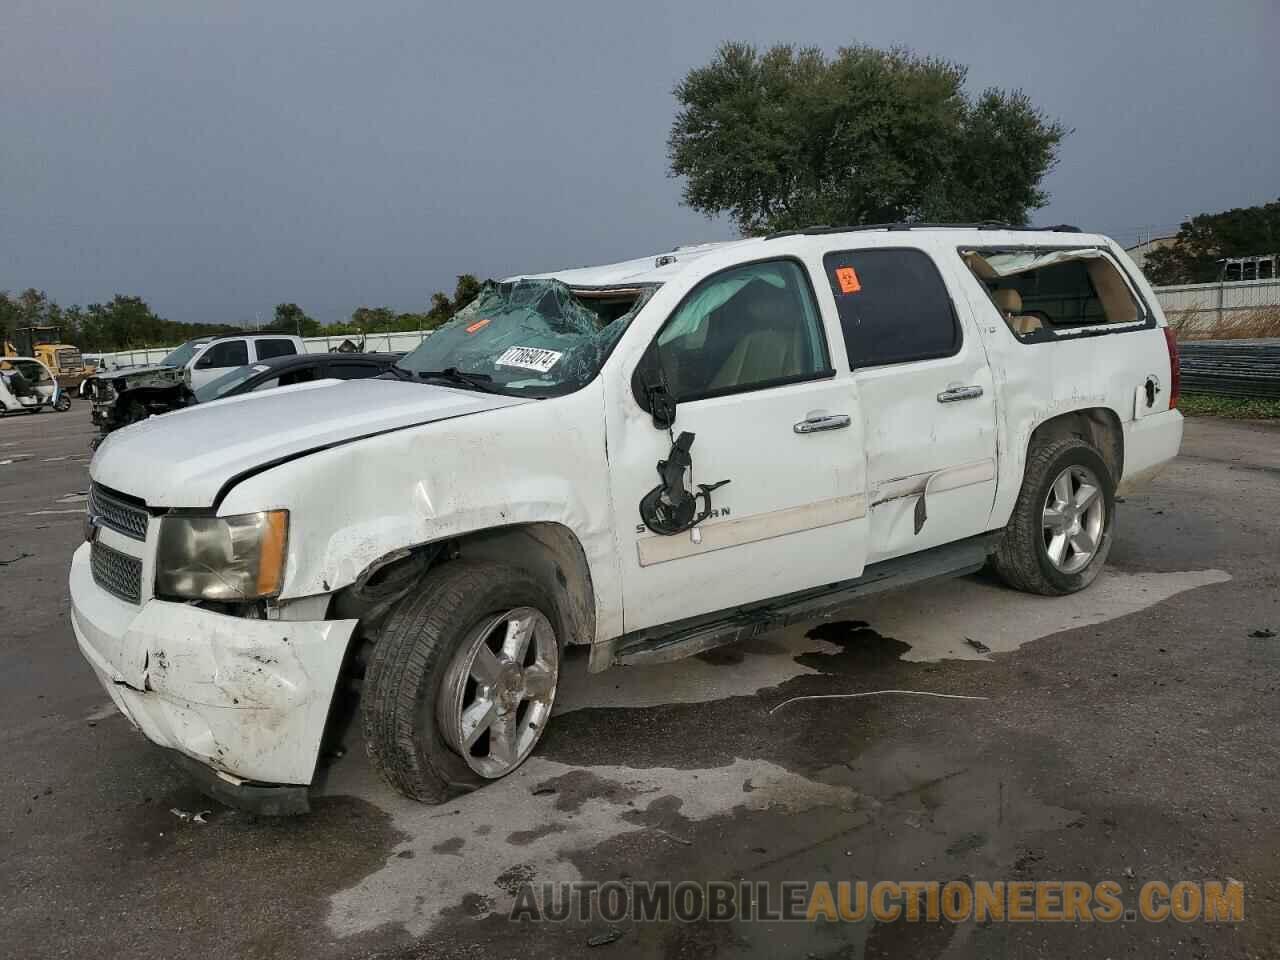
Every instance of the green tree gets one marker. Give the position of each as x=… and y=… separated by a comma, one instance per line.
x=790, y=138
x=1207, y=238
x=291, y=318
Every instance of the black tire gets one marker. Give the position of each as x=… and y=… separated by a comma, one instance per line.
x=1022, y=559
x=405, y=674
x=63, y=404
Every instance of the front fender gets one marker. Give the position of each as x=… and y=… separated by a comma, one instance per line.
x=353, y=504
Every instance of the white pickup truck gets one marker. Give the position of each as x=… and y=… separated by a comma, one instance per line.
x=650, y=458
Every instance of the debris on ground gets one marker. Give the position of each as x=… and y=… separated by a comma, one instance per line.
x=20, y=556
x=543, y=788
x=603, y=939
x=1263, y=634
x=197, y=817
x=977, y=645
x=875, y=693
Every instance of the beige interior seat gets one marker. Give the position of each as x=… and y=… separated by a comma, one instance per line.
x=1009, y=303
x=769, y=347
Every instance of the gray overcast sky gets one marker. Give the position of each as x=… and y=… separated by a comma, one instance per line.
x=217, y=158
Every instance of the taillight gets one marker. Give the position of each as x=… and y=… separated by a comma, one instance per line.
x=1175, y=372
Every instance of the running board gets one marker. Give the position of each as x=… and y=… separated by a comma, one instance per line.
x=684, y=638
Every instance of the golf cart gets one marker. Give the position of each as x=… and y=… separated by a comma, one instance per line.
x=28, y=385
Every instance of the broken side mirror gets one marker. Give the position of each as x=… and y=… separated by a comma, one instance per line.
x=652, y=392
x=662, y=406
x=670, y=507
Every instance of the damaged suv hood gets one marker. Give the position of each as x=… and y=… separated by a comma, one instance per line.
x=184, y=458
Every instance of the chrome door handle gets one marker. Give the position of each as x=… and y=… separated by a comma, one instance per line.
x=834, y=421
x=955, y=392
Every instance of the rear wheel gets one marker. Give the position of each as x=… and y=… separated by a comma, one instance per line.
x=64, y=403
x=462, y=680
x=1060, y=532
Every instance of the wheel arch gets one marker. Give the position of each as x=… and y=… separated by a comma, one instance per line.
x=548, y=549
x=1098, y=426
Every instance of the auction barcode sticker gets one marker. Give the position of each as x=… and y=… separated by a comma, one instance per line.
x=529, y=358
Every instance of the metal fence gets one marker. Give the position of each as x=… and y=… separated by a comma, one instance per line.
x=1209, y=305
x=1231, y=368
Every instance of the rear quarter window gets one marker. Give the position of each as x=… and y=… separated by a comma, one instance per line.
x=275, y=348
x=893, y=306
x=1045, y=292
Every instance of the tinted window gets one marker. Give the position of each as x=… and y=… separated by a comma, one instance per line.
x=275, y=348
x=749, y=327
x=226, y=353
x=299, y=375
x=893, y=306
x=353, y=371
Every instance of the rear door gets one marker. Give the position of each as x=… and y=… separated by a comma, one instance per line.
x=926, y=394
x=746, y=355
x=268, y=347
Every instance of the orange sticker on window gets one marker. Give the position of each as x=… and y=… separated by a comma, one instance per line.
x=847, y=277
x=479, y=325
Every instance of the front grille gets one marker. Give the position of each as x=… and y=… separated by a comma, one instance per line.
x=114, y=511
x=115, y=572
x=69, y=359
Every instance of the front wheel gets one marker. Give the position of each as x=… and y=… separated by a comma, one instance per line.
x=1060, y=532
x=462, y=680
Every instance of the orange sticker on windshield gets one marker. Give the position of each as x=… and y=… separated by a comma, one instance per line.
x=847, y=277
x=479, y=325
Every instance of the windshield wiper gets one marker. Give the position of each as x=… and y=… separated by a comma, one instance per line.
x=476, y=381
x=399, y=372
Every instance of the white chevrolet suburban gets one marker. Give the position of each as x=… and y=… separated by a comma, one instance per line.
x=649, y=458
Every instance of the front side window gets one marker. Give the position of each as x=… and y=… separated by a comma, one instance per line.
x=225, y=353
x=529, y=338
x=746, y=328
x=893, y=306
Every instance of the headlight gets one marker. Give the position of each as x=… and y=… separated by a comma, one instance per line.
x=222, y=558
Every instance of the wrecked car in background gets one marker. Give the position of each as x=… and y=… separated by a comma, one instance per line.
x=28, y=386
x=125, y=396
x=648, y=458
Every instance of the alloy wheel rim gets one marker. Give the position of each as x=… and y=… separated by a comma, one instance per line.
x=499, y=690
x=1073, y=519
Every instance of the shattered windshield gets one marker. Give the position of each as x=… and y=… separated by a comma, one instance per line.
x=180, y=356
x=533, y=338
x=229, y=380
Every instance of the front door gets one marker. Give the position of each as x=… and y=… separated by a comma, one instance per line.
x=746, y=357
x=219, y=357
x=927, y=397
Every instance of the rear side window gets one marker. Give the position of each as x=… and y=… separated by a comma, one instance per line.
x=893, y=306
x=353, y=370
x=275, y=348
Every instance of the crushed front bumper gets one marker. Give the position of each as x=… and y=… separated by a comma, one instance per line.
x=248, y=699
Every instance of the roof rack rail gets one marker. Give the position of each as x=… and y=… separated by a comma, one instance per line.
x=983, y=225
